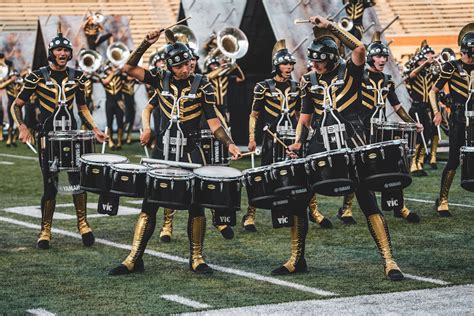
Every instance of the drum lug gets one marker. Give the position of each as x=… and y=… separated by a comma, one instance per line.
x=330, y=161
x=154, y=184
x=313, y=165
x=238, y=185
x=347, y=158
x=249, y=179
x=134, y=177
x=307, y=167
x=87, y=170
x=242, y=181
x=202, y=181
x=265, y=174
x=292, y=170
x=382, y=152
x=273, y=173
x=222, y=185
x=187, y=185
x=115, y=175
x=172, y=184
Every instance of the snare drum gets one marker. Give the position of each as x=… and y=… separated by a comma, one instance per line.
x=290, y=177
x=218, y=187
x=467, y=168
x=67, y=147
x=288, y=137
x=387, y=131
x=332, y=172
x=170, y=187
x=383, y=166
x=215, y=153
x=128, y=179
x=260, y=186
x=95, y=171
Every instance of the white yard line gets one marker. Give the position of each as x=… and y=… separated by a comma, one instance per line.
x=162, y=255
x=19, y=157
x=185, y=301
x=455, y=300
x=8, y=163
x=432, y=202
x=40, y=312
x=430, y=280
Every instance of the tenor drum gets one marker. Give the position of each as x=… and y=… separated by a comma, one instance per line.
x=332, y=173
x=383, y=166
x=287, y=137
x=387, y=131
x=290, y=177
x=95, y=171
x=170, y=187
x=128, y=179
x=467, y=168
x=67, y=147
x=215, y=153
x=218, y=187
x=260, y=186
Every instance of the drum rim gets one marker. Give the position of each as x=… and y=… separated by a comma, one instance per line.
x=207, y=177
x=141, y=169
x=288, y=162
x=328, y=153
x=151, y=173
x=257, y=169
x=153, y=166
x=84, y=157
x=467, y=149
x=381, y=144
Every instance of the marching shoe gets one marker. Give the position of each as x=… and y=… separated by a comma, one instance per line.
x=88, y=239
x=300, y=267
x=122, y=269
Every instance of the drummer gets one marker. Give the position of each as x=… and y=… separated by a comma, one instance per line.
x=267, y=105
x=329, y=67
x=374, y=77
x=59, y=53
x=178, y=77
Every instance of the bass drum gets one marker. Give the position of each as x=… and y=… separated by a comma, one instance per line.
x=467, y=168
x=170, y=187
x=95, y=171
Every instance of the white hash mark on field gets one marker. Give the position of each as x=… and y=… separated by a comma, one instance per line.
x=432, y=202
x=18, y=157
x=249, y=275
x=40, y=312
x=185, y=301
x=8, y=163
x=35, y=211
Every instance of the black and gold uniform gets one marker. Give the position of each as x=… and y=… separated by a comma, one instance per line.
x=346, y=100
x=114, y=106
x=92, y=29
x=455, y=75
x=421, y=85
x=128, y=89
x=88, y=96
x=191, y=111
x=355, y=12
x=41, y=82
x=12, y=87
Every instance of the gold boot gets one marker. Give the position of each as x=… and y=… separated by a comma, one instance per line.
x=297, y=262
x=420, y=161
x=9, y=137
x=1, y=131
x=110, y=133
x=315, y=216
x=80, y=202
x=405, y=213
x=167, y=229
x=345, y=212
x=129, y=133
x=442, y=203
x=119, y=138
x=134, y=262
x=196, y=232
x=434, y=149
x=414, y=168
x=15, y=135
x=248, y=221
x=47, y=212
x=379, y=231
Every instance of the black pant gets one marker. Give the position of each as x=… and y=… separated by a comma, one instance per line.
x=94, y=40
x=112, y=109
x=423, y=110
x=11, y=121
x=129, y=109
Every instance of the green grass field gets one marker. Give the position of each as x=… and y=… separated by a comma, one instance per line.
x=71, y=279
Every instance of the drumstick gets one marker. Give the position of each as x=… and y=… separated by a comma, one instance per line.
x=298, y=21
x=439, y=133
x=422, y=135
x=266, y=129
x=255, y=152
x=144, y=146
x=31, y=147
x=103, y=144
x=252, y=158
x=180, y=21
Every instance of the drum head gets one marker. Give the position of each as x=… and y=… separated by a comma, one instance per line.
x=255, y=170
x=103, y=158
x=171, y=173
x=66, y=135
x=85, y=135
x=156, y=165
x=129, y=167
x=217, y=172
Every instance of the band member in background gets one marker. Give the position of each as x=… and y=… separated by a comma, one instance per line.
x=59, y=53
x=268, y=105
x=456, y=74
x=5, y=68
x=355, y=12
x=114, y=104
x=12, y=86
x=93, y=26
x=421, y=80
x=177, y=78
x=157, y=62
x=327, y=64
x=128, y=89
x=377, y=57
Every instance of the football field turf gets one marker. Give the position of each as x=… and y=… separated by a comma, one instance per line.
x=343, y=261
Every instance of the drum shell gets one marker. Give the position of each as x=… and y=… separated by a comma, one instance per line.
x=332, y=174
x=388, y=131
x=218, y=193
x=467, y=168
x=127, y=182
x=260, y=187
x=290, y=178
x=67, y=148
x=95, y=175
x=171, y=193
x=214, y=151
x=383, y=166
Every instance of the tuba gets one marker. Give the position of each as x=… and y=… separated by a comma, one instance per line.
x=346, y=23
x=183, y=34
x=89, y=60
x=117, y=53
x=232, y=44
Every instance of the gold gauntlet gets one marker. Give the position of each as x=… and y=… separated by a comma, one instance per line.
x=345, y=37
x=404, y=115
x=433, y=101
x=252, y=125
x=138, y=53
x=146, y=114
x=222, y=136
x=86, y=117
x=16, y=114
x=301, y=133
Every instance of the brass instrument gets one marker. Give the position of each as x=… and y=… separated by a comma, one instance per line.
x=89, y=60
x=117, y=53
x=184, y=34
x=4, y=71
x=439, y=61
x=98, y=18
x=346, y=23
